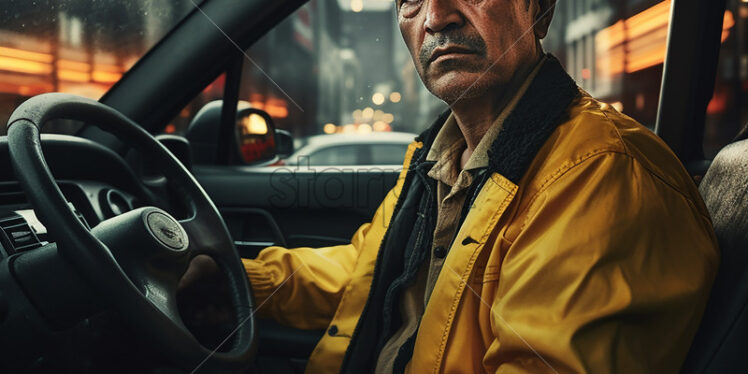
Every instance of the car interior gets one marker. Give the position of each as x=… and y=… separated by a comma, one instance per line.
x=91, y=257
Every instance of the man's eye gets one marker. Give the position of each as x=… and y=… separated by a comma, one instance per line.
x=409, y=4
x=408, y=8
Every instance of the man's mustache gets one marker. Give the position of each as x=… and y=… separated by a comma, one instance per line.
x=470, y=42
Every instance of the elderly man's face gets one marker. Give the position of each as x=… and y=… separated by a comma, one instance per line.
x=462, y=48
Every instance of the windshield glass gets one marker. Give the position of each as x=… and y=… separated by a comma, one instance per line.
x=75, y=46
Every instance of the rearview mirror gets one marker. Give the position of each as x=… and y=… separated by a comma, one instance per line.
x=255, y=139
x=255, y=135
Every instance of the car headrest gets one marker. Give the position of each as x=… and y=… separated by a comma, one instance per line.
x=203, y=131
x=723, y=335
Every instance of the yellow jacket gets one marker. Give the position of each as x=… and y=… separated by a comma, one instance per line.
x=599, y=260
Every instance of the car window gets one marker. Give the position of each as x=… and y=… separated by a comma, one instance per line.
x=76, y=46
x=338, y=155
x=387, y=154
x=334, y=67
x=615, y=51
x=727, y=112
x=341, y=67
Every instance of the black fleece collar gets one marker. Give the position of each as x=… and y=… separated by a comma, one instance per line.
x=540, y=110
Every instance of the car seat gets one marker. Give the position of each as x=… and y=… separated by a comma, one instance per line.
x=722, y=339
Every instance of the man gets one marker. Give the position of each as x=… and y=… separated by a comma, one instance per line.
x=532, y=229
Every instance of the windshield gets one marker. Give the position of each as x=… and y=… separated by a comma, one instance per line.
x=75, y=46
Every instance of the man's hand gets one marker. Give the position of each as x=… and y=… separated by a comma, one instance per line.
x=204, y=302
x=201, y=267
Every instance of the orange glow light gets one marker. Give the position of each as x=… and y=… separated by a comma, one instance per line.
x=276, y=109
x=643, y=61
x=586, y=73
x=24, y=66
x=647, y=51
x=648, y=20
x=73, y=65
x=644, y=37
x=26, y=55
x=73, y=76
x=611, y=36
x=647, y=37
x=108, y=68
x=612, y=62
x=25, y=90
x=105, y=76
x=727, y=23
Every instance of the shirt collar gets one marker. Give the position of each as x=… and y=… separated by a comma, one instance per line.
x=449, y=143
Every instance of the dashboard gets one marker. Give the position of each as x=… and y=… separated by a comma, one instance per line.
x=97, y=183
x=42, y=297
x=92, y=202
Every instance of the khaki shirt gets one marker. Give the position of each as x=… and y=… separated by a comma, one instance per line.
x=452, y=187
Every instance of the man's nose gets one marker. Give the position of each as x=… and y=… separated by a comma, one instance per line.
x=441, y=14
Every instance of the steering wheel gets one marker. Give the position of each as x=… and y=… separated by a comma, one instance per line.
x=135, y=260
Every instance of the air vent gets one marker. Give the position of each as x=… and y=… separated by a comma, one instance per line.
x=17, y=234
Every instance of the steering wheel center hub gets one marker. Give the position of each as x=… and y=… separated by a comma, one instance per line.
x=167, y=231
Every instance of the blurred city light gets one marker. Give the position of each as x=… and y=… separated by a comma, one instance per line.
x=276, y=108
x=727, y=24
x=254, y=124
x=105, y=74
x=366, y=5
x=381, y=126
x=395, y=97
x=26, y=55
x=364, y=128
x=357, y=5
x=24, y=66
x=586, y=73
x=330, y=128
x=639, y=41
x=378, y=98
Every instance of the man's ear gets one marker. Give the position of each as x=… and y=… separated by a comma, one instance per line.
x=543, y=13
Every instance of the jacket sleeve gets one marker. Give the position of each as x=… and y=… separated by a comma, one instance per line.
x=302, y=287
x=610, y=273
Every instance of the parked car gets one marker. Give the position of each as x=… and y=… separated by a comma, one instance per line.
x=386, y=148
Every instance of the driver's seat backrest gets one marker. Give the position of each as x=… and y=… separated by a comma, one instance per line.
x=721, y=343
